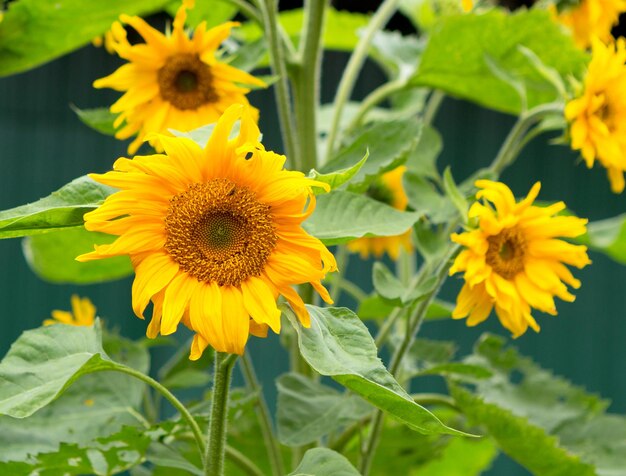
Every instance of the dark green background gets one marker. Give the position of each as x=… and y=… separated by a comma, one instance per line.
x=44, y=146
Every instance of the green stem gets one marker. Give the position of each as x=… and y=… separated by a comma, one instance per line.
x=243, y=461
x=342, y=257
x=515, y=140
x=432, y=106
x=247, y=10
x=387, y=325
x=269, y=13
x=169, y=396
x=216, y=445
x=374, y=98
x=306, y=81
x=355, y=63
x=273, y=449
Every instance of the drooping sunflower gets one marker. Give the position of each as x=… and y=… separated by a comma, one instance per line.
x=83, y=313
x=514, y=260
x=592, y=19
x=598, y=117
x=388, y=189
x=172, y=81
x=214, y=235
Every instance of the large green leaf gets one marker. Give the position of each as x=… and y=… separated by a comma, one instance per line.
x=44, y=362
x=52, y=256
x=608, y=237
x=100, y=119
x=454, y=58
x=308, y=410
x=339, y=345
x=461, y=457
x=324, y=462
x=342, y=216
x=422, y=160
x=398, y=54
x=94, y=406
x=544, y=422
x=33, y=32
x=61, y=209
x=388, y=143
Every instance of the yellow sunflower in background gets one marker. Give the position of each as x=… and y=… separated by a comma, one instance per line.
x=592, y=19
x=214, y=235
x=514, y=261
x=83, y=313
x=388, y=189
x=598, y=116
x=172, y=81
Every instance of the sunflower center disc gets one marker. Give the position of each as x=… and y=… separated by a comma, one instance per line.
x=506, y=253
x=219, y=232
x=186, y=82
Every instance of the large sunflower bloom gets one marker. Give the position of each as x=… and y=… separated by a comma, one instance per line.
x=172, y=81
x=514, y=261
x=83, y=313
x=214, y=235
x=592, y=19
x=388, y=189
x=598, y=116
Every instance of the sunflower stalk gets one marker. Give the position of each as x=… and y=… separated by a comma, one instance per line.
x=216, y=444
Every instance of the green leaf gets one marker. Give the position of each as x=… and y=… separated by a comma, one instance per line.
x=104, y=456
x=430, y=241
x=61, y=209
x=342, y=216
x=33, y=32
x=339, y=345
x=247, y=56
x=44, y=362
x=509, y=79
x=424, y=197
x=52, y=256
x=454, y=194
x=397, y=54
x=389, y=144
x=213, y=13
x=423, y=159
x=309, y=410
x=454, y=58
x=386, y=284
x=324, y=462
x=461, y=457
x=94, y=406
x=338, y=178
x=608, y=237
x=375, y=307
x=99, y=119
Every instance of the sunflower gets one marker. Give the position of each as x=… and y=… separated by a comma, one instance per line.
x=83, y=313
x=592, y=19
x=214, y=235
x=513, y=261
x=389, y=190
x=172, y=81
x=598, y=116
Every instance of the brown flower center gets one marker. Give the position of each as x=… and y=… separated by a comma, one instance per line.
x=219, y=232
x=506, y=252
x=186, y=82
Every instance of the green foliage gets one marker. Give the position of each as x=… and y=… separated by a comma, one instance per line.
x=608, y=237
x=454, y=58
x=309, y=410
x=388, y=143
x=99, y=119
x=544, y=422
x=181, y=372
x=461, y=457
x=338, y=345
x=61, y=209
x=213, y=13
x=454, y=194
x=94, y=406
x=339, y=177
x=397, y=54
x=391, y=289
x=52, y=256
x=422, y=161
x=342, y=216
x=376, y=307
x=424, y=197
x=322, y=462
x=33, y=32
